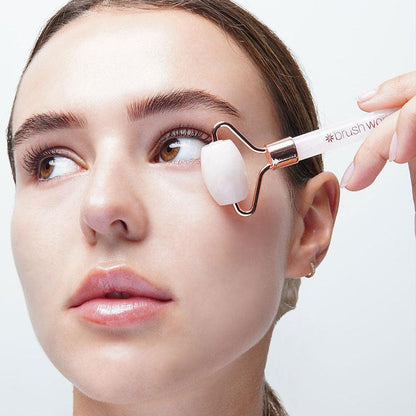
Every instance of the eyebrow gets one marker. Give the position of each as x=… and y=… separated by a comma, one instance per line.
x=41, y=123
x=179, y=99
x=138, y=109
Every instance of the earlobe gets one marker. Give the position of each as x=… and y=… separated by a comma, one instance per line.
x=316, y=207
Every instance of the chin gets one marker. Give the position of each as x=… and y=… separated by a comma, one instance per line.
x=119, y=390
x=123, y=374
x=116, y=384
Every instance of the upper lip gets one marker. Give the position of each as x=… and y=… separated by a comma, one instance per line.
x=101, y=281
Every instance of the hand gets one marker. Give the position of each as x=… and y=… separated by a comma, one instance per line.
x=394, y=139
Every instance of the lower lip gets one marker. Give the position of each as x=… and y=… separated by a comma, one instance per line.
x=120, y=312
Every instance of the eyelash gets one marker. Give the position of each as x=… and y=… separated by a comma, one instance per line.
x=36, y=155
x=181, y=131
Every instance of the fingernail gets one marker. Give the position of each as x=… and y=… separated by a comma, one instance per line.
x=365, y=96
x=393, y=148
x=347, y=175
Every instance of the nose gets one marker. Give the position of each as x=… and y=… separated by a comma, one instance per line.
x=112, y=206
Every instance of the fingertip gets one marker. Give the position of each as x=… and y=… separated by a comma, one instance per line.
x=358, y=177
x=369, y=105
x=366, y=96
x=393, y=148
x=347, y=175
x=353, y=187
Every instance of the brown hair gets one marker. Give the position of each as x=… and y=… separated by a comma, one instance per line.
x=287, y=87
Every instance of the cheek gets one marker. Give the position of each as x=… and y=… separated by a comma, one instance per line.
x=42, y=243
x=227, y=270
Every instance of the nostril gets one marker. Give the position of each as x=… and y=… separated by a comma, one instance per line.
x=124, y=225
x=111, y=218
x=119, y=224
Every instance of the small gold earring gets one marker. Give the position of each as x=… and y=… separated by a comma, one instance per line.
x=312, y=272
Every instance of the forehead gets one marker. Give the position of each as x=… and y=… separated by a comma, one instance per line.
x=109, y=56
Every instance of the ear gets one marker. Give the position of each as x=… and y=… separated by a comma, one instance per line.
x=316, y=207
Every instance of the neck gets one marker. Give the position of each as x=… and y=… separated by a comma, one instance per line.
x=235, y=390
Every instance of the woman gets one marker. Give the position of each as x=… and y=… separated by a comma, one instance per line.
x=99, y=106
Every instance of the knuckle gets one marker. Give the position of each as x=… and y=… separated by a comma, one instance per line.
x=369, y=153
x=410, y=107
x=404, y=83
x=408, y=112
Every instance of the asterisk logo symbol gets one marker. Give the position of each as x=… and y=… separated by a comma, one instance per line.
x=329, y=138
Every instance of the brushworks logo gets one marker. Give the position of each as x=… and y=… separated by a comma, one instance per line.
x=353, y=130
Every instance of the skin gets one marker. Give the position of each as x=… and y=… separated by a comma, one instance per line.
x=206, y=354
x=372, y=156
x=381, y=147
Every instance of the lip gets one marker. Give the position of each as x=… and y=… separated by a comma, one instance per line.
x=137, y=299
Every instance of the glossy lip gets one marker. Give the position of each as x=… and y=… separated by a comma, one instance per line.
x=90, y=302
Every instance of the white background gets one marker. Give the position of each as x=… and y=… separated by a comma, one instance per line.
x=349, y=348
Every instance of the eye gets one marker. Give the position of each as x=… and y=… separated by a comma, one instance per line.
x=53, y=167
x=181, y=145
x=181, y=149
x=44, y=163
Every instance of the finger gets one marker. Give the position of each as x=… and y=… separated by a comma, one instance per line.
x=406, y=133
x=392, y=93
x=394, y=139
x=371, y=156
x=412, y=170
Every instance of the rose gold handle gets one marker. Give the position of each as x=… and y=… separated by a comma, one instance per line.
x=278, y=154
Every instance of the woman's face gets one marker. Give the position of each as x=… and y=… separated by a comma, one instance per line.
x=108, y=195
